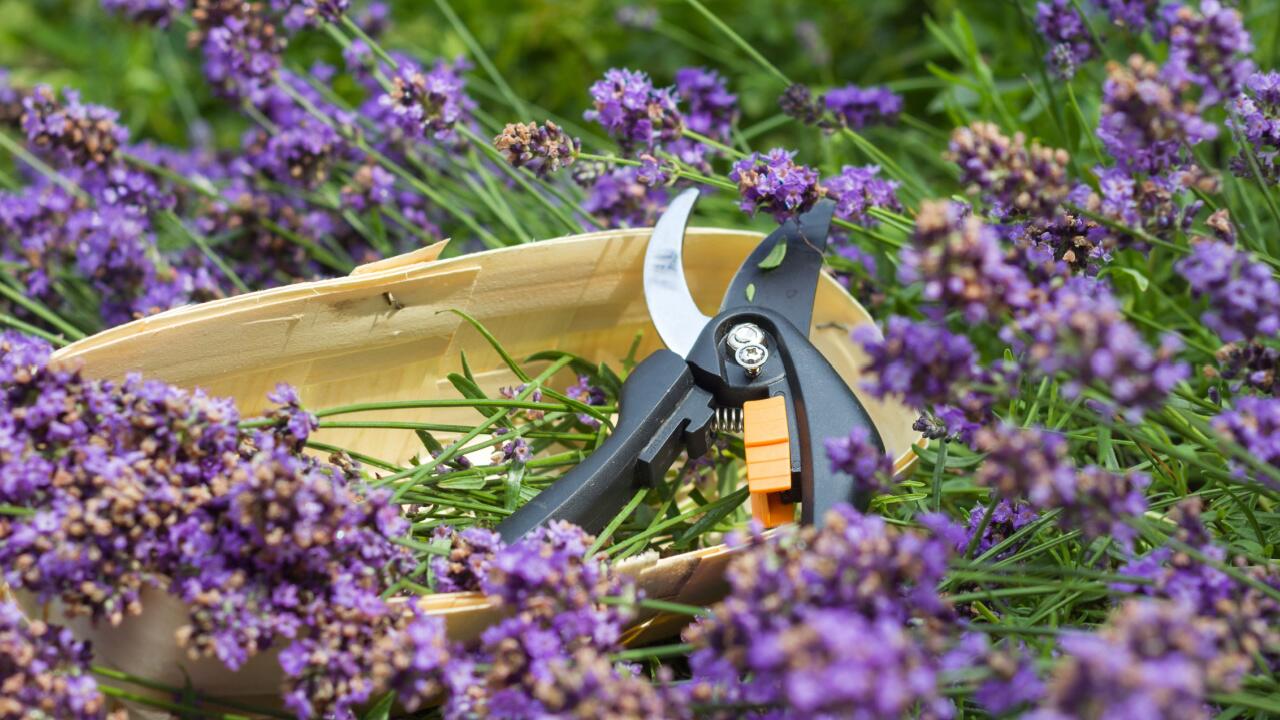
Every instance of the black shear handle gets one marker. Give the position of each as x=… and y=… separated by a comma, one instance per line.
x=660, y=409
x=825, y=407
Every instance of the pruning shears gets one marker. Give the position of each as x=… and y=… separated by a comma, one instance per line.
x=749, y=369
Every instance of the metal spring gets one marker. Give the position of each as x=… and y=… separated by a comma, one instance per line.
x=727, y=420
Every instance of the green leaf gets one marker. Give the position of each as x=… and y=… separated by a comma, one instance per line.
x=463, y=482
x=751, y=292
x=1140, y=280
x=514, y=483
x=774, y=258
x=381, y=710
x=469, y=389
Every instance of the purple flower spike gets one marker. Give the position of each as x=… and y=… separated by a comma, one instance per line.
x=860, y=107
x=856, y=456
x=826, y=623
x=44, y=671
x=637, y=115
x=543, y=149
x=148, y=12
x=1064, y=29
x=1080, y=332
x=1017, y=181
x=775, y=184
x=620, y=198
x=962, y=265
x=712, y=108
x=1153, y=659
x=930, y=368
x=1145, y=119
x=1244, y=298
x=1254, y=424
x=427, y=103
x=1257, y=113
x=858, y=189
x=1208, y=48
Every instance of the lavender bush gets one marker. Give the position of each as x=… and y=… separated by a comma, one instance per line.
x=1064, y=215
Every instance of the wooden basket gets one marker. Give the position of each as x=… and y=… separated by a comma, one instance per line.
x=380, y=335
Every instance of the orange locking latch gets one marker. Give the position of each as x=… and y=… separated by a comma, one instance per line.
x=768, y=447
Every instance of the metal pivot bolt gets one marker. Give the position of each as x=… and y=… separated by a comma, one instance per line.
x=751, y=358
x=744, y=334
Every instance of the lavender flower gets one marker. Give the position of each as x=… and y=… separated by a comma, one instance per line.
x=962, y=266
x=299, y=153
x=1015, y=180
x=775, y=184
x=1244, y=298
x=1145, y=119
x=241, y=46
x=1254, y=424
x=636, y=114
x=543, y=149
x=471, y=552
x=583, y=391
x=1257, y=117
x=858, y=189
x=422, y=103
x=855, y=455
x=74, y=133
x=148, y=12
x=1152, y=659
x=1251, y=365
x=309, y=13
x=1208, y=48
x=619, y=198
x=1159, y=203
x=859, y=107
x=1134, y=15
x=1034, y=465
x=526, y=664
x=1064, y=29
x=929, y=368
x=1007, y=517
x=816, y=621
x=1080, y=332
x=798, y=102
x=371, y=186
x=44, y=672
x=712, y=108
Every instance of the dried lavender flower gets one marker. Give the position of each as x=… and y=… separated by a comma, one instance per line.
x=74, y=133
x=543, y=149
x=1015, y=180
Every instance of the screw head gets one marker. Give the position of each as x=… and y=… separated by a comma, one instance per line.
x=751, y=358
x=744, y=334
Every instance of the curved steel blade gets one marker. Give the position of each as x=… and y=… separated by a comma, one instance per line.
x=677, y=317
